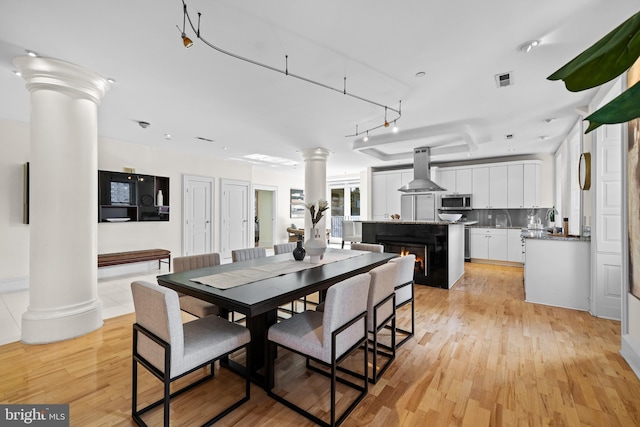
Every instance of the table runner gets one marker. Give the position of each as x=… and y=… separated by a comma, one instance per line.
x=231, y=279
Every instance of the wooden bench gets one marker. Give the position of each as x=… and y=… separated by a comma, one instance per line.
x=118, y=258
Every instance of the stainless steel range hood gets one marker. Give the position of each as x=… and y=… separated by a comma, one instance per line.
x=421, y=173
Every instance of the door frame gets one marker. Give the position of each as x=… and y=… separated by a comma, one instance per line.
x=274, y=213
x=185, y=181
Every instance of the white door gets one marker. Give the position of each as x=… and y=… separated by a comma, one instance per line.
x=234, y=212
x=197, y=227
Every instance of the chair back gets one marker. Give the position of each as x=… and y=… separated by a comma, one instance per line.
x=283, y=248
x=370, y=247
x=404, y=277
x=344, y=302
x=247, y=254
x=383, y=280
x=191, y=262
x=158, y=310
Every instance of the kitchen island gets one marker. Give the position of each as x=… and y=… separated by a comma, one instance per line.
x=557, y=270
x=438, y=246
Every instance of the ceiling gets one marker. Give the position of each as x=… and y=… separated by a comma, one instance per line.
x=379, y=46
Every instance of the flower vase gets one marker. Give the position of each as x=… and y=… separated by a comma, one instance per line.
x=299, y=252
x=315, y=246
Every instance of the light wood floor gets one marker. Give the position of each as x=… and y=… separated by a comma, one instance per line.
x=481, y=356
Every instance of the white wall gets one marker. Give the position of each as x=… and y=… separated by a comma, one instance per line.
x=14, y=235
x=112, y=237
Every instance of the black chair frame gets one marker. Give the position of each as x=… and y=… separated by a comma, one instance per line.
x=167, y=380
x=407, y=333
x=375, y=375
x=333, y=367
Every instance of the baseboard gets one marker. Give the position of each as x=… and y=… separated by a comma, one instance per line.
x=16, y=284
x=630, y=351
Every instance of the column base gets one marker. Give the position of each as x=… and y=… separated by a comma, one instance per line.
x=59, y=324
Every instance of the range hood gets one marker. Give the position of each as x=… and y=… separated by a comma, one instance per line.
x=421, y=173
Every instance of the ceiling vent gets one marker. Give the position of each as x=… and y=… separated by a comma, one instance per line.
x=504, y=80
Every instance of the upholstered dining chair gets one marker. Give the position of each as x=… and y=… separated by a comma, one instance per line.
x=193, y=305
x=247, y=254
x=283, y=248
x=326, y=338
x=381, y=313
x=351, y=232
x=369, y=247
x=404, y=292
x=170, y=349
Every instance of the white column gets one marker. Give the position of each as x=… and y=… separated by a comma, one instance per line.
x=315, y=185
x=63, y=230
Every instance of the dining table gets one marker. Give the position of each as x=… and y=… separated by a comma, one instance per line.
x=269, y=282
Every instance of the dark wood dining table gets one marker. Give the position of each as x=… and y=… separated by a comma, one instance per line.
x=259, y=300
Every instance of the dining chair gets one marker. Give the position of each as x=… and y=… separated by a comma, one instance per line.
x=370, y=247
x=326, y=338
x=170, y=350
x=404, y=293
x=247, y=254
x=193, y=305
x=351, y=232
x=283, y=248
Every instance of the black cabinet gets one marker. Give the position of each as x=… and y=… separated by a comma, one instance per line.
x=125, y=197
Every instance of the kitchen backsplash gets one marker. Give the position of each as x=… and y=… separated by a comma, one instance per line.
x=504, y=217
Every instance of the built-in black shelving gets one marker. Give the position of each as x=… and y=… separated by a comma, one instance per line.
x=127, y=197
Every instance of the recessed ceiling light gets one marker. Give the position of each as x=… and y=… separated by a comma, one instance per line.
x=420, y=74
x=17, y=73
x=527, y=46
x=111, y=80
x=550, y=119
x=469, y=154
x=543, y=137
x=167, y=136
x=508, y=136
x=32, y=53
x=512, y=149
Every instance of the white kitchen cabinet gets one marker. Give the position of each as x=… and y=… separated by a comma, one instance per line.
x=489, y=243
x=480, y=198
x=456, y=181
x=514, y=245
x=464, y=181
x=515, y=186
x=385, y=195
x=498, y=187
x=531, y=185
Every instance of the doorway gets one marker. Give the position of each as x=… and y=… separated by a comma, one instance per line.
x=345, y=204
x=265, y=214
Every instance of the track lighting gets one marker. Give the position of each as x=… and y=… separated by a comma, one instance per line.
x=366, y=137
x=395, y=127
x=188, y=43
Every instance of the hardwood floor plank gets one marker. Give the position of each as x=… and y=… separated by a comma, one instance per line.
x=481, y=356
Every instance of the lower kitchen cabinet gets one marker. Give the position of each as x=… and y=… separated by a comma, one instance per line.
x=489, y=243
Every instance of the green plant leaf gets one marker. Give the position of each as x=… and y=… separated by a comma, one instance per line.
x=605, y=60
x=621, y=109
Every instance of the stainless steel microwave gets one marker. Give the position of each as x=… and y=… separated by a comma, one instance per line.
x=455, y=202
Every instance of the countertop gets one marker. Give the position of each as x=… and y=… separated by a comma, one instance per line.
x=400, y=221
x=542, y=235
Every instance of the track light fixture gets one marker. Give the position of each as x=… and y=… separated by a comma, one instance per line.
x=188, y=43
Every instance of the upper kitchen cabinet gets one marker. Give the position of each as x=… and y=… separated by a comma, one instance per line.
x=531, y=192
x=489, y=187
x=515, y=186
x=456, y=181
x=385, y=195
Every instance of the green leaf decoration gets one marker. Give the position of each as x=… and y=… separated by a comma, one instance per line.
x=605, y=60
x=621, y=109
